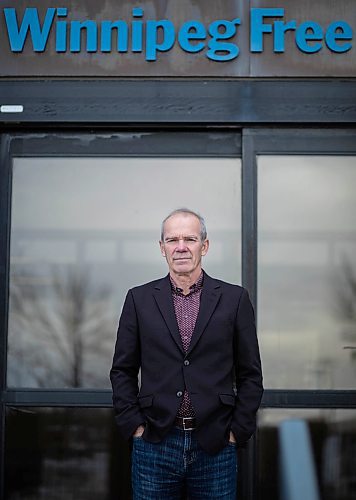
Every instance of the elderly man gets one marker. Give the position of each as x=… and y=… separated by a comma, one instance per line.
x=194, y=339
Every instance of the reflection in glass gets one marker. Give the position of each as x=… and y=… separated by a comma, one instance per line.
x=64, y=454
x=333, y=436
x=307, y=271
x=83, y=231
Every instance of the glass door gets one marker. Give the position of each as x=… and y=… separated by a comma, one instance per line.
x=305, y=236
x=82, y=218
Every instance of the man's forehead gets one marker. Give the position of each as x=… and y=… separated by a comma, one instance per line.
x=182, y=221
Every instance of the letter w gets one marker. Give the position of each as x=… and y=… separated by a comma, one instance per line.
x=30, y=22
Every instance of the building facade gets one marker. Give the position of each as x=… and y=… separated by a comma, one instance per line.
x=113, y=115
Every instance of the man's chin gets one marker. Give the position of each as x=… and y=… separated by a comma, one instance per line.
x=182, y=268
x=182, y=263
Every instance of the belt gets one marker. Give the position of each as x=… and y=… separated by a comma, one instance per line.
x=185, y=423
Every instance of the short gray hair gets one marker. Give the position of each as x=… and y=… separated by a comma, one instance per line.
x=203, y=231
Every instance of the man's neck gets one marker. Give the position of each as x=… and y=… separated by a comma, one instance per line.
x=185, y=281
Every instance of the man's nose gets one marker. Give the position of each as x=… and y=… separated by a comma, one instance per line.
x=181, y=245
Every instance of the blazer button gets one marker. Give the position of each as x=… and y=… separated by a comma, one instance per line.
x=186, y=362
x=179, y=394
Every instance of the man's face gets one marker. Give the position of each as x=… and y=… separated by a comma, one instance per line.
x=182, y=246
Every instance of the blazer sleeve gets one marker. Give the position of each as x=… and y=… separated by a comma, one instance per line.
x=248, y=371
x=124, y=371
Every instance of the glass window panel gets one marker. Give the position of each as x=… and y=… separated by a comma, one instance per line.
x=333, y=438
x=307, y=271
x=84, y=230
x=64, y=454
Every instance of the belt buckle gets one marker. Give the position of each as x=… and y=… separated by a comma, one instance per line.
x=187, y=428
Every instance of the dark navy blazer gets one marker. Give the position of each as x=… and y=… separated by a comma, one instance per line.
x=221, y=370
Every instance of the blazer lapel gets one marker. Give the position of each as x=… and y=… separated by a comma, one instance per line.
x=209, y=299
x=163, y=297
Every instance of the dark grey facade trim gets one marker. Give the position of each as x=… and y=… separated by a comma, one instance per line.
x=309, y=399
x=179, y=102
x=272, y=398
x=56, y=397
x=105, y=143
x=249, y=217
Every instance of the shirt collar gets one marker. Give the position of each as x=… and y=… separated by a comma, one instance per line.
x=198, y=285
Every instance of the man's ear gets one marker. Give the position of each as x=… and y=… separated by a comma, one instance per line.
x=161, y=245
x=205, y=247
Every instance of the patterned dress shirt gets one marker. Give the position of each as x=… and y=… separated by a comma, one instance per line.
x=186, y=309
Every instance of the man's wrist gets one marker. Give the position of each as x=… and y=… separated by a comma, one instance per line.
x=139, y=431
x=232, y=438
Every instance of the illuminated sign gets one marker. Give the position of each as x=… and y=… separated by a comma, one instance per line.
x=218, y=40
